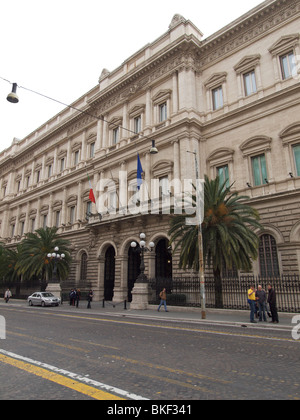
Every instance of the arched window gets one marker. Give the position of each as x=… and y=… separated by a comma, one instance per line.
x=83, y=267
x=268, y=258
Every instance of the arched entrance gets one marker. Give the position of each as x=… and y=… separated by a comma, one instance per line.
x=134, y=262
x=163, y=260
x=109, y=273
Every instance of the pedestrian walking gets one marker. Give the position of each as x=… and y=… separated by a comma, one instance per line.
x=78, y=297
x=252, y=302
x=90, y=298
x=72, y=297
x=163, y=300
x=273, y=304
x=7, y=295
x=261, y=298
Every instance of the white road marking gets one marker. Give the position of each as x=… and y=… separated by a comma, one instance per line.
x=75, y=376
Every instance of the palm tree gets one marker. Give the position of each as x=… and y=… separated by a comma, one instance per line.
x=34, y=261
x=228, y=233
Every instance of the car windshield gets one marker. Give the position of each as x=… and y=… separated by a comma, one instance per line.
x=47, y=294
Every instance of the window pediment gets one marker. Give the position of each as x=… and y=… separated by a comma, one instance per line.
x=284, y=43
x=162, y=168
x=221, y=155
x=247, y=63
x=257, y=144
x=291, y=133
x=215, y=80
x=161, y=96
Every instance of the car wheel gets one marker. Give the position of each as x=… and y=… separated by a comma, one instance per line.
x=43, y=304
x=30, y=303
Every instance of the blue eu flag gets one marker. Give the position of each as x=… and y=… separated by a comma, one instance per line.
x=139, y=172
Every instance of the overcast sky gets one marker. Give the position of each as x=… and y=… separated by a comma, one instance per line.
x=60, y=47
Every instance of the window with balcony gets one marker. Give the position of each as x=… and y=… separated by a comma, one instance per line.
x=259, y=170
x=223, y=173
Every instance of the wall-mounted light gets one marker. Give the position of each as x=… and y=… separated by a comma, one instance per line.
x=249, y=185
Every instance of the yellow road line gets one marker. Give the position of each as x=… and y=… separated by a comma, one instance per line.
x=59, y=379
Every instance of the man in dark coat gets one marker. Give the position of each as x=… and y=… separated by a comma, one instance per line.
x=272, y=303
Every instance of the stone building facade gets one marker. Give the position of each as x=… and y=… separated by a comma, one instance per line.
x=233, y=98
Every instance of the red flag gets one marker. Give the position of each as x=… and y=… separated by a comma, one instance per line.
x=91, y=195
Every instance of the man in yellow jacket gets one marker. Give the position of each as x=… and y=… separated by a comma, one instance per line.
x=252, y=302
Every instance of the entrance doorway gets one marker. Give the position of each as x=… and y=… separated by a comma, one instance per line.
x=163, y=260
x=109, y=273
x=134, y=262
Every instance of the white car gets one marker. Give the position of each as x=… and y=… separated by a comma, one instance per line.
x=43, y=299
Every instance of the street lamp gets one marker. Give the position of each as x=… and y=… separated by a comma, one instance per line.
x=142, y=278
x=56, y=257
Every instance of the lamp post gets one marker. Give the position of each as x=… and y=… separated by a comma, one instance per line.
x=142, y=278
x=54, y=286
x=140, y=291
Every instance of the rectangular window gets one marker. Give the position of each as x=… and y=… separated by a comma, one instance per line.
x=13, y=230
x=62, y=164
x=296, y=150
x=72, y=214
x=116, y=135
x=164, y=186
x=44, y=221
x=288, y=65
x=223, y=174
x=89, y=207
x=250, y=83
x=138, y=124
x=112, y=201
x=163, y=112
x=217, y=97
x=92, y=150
x=57, y=219
x=38, y=176
x=32, y=225
x=49, y=171
x=76, y=157
x=259, y=169
x=22, y=228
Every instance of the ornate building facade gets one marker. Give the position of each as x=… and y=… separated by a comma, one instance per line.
x=233, y=98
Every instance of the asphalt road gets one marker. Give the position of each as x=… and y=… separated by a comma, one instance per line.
x=65, y=353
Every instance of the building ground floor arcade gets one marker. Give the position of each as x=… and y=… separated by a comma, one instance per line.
x=103, y=259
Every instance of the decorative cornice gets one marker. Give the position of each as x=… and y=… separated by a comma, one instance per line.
x=247, y=30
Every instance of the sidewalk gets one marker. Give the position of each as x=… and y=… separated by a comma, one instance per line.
x=225, y=317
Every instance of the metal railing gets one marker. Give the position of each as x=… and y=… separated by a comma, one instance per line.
x=229, y=293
